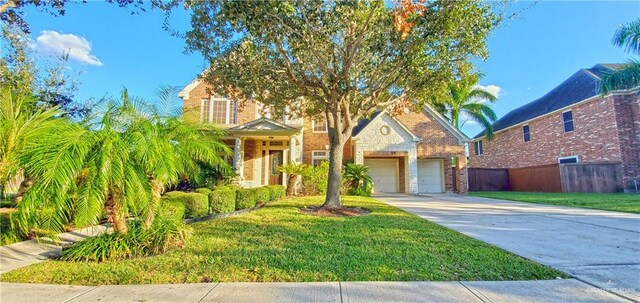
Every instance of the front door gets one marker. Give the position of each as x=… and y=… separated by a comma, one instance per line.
x=275, y=157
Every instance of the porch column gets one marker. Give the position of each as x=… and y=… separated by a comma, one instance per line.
x=237, y=157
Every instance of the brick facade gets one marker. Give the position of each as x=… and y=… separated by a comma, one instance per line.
x=606, y=129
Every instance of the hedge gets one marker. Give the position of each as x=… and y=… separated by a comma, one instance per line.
x=276, y=192
x=245, y=198
x=171, y=208
x=203, y=190
x=262, y=194
x=196, y=205
x=222, y=200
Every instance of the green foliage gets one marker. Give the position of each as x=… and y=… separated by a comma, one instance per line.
x=358, y=179
x=293, y=170
x=628, y=76
x=203, y=190
x=222, y=200
x=171, y=208
x=314, y=179
x=137, y=242
x=245, y=198
x=197, y=205
x=276, y=192
x=263, y=195
x=615, y=202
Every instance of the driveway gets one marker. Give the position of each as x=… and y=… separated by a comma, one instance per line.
x=601, y=248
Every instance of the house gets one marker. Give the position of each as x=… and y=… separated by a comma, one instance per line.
x=408, y=153
x=572, y=123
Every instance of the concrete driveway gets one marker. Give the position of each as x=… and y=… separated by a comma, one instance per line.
x=601, y=248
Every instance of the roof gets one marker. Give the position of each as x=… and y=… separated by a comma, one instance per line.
x=263, y=125
x=362, y=123
x=580, y=86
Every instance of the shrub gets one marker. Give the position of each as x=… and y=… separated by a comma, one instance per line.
x=262, y=194
x=245, y=198
x=359, y=191
x=197, y=205
x=137, y=242
x=314, y=179
x=203, y=190
x=171, y=208
x=173, y=194
x=222, y=200
x=276, y=192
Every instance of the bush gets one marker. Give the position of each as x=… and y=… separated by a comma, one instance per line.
x=314, y=179
x=222, y=200
x=196, y=205
x=203, y=190
x=245, y=198
x=359, y=191
x=276, y=192
x=137, y=242
x=171, y=208
x=262, y=194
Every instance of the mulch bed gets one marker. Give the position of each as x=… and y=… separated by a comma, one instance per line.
x=343, y=211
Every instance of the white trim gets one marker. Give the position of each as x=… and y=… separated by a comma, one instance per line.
x=478, y=151
x=314, y=157
x=184, y=93
x=569, y=157
x=462, y=138
x=618, y=93
x=313, y=127
x=379, y=117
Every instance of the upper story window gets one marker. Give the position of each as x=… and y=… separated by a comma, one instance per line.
x=319, y=156
x=319, y=126
x=567, y=121
x=219, y=111
x=526, y=134
x=572, y=159
x=478, y=147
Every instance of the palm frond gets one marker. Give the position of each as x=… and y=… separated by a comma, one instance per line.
x=628, y=37
x=624, y=78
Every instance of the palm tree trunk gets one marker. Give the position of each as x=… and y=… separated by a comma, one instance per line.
x=25, y=185
x=291, y=185
x=156, y=193
x=114, y=212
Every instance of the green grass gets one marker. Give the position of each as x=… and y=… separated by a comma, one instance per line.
x=278, y=243
x=618, y=202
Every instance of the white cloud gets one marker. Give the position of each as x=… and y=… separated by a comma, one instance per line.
x=78, y=48
x=493, y=89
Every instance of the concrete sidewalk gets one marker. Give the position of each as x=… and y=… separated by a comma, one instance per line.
x=25, y=253
x=568, y=290
x=599, y=247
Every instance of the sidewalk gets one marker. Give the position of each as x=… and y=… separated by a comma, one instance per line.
x=566, y=290
x=30, y=252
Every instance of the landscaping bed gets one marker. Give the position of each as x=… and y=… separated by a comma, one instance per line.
x=616, y=202
x=279, y=243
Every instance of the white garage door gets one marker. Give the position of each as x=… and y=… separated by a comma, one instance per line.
x=430, y=178
x=384, y=173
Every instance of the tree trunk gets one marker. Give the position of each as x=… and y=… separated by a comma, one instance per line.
x=115, y=213
x=336, y=147
x=24, y=187
x=156, y=193
x=291, y=185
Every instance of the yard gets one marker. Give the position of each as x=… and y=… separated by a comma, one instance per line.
x=616, y=202
x=278, y=243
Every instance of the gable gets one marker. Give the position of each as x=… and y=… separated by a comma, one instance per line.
x=263, y=125
x=383, y=127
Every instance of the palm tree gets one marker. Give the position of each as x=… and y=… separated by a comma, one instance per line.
x=469, y=100
x=357, y=174
x=293, y=170
x=627, y=77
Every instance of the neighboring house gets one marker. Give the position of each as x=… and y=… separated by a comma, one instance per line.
x=409, y=153
x=571, y=123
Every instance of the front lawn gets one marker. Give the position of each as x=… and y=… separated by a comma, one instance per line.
x=618, y=202
x=278, y=243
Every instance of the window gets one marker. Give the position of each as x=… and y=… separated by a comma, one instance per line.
x=319, y=156
x=219, y=111
x=572, y=159
x=319, y=126
x=478, y=148
x=526, y=135
x=567, y=121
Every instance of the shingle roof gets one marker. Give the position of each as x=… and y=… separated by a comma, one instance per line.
x=362, y=123
x=580, y=86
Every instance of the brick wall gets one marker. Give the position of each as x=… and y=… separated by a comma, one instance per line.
x=318, y=141
x=435, y=140
x=593, y=139
x=191, y=106
x=627, y=108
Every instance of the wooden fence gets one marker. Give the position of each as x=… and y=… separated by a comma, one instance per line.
x=569, y=177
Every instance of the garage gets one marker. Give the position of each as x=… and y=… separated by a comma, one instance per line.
x=384, y=172
x=430, y=176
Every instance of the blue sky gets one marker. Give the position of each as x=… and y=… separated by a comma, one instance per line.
x=529, y=56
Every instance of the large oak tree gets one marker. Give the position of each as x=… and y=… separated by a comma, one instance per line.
x=343, y=60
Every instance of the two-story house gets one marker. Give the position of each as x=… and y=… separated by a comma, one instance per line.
x=408, y=153
x=572, y=123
